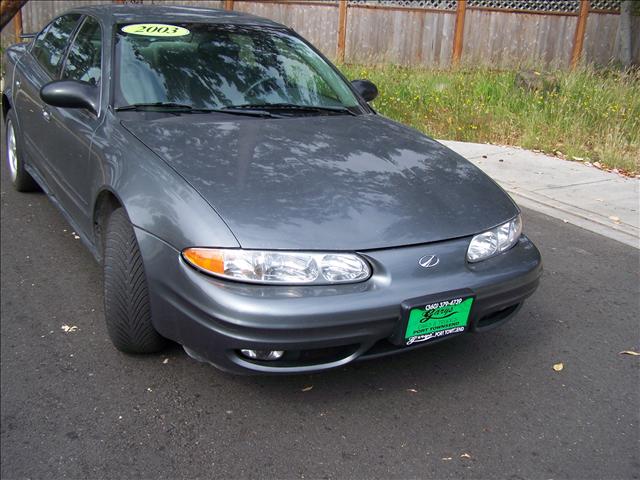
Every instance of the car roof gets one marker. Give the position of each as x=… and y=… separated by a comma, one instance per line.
x=123, y=13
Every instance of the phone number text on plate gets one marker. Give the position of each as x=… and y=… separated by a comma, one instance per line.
x=446, y=303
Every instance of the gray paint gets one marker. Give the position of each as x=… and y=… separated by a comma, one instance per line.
x=331, y=183
x=359, y=183
x=216, y=318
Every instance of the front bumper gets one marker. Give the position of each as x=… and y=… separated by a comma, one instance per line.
x=323, y=327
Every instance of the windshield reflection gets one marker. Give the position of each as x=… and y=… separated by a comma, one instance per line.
x=217, y=66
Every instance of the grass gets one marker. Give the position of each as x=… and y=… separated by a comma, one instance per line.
x=591, y=115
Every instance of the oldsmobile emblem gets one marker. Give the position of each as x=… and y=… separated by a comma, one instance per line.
x=429, y=261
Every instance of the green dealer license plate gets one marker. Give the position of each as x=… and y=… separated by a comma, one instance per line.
x=436, y=319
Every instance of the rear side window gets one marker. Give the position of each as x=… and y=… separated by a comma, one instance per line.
x=48, y=49
x=84, y=58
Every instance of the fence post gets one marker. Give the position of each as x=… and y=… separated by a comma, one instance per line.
x=458, y=36
x=581, y=27
x=228, y=4
x=17, y=25
x=342, y=29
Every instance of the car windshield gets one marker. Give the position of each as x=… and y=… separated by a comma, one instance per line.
x=208, y=66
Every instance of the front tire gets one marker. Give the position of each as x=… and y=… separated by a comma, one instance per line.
x=126, y=297
x=20, y=178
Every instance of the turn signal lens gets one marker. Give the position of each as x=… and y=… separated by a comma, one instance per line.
x=206, y=259
x=277, y=267
x=499, y=239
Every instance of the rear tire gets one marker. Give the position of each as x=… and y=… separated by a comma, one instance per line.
x=126, y=297
x=20, y=178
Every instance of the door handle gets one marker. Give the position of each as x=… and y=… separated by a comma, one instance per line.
x=46, y=114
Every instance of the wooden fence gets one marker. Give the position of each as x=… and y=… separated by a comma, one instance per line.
x=430, y=33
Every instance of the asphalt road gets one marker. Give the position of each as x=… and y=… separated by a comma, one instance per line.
x=480, y=406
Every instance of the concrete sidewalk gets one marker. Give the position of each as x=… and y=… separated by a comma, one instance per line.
x=602, y=202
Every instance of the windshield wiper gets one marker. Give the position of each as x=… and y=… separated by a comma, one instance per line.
x=155, y=105
x=184, y=108
x=244, y=110
x=293, y=106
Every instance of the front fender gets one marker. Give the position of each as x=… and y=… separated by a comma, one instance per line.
x=10, y=60
x=156, y=198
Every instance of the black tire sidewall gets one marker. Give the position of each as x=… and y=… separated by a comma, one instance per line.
x=129, y=332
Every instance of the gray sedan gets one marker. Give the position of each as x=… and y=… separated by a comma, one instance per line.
x=245, y=200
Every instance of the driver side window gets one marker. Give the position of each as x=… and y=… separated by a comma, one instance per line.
x=85, y=55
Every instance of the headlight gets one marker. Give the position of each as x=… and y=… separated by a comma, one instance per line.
x=488, y=244
x=276, y=267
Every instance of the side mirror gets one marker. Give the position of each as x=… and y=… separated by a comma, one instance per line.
x=366, y=89
x=71, y=94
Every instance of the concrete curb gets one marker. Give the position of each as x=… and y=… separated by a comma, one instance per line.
x=598, y=201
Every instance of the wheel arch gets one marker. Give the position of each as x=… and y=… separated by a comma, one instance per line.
x=107, y=201
x=156, y=198
x=6, y=106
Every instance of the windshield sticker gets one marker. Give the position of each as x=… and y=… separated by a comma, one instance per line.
x=156, y=30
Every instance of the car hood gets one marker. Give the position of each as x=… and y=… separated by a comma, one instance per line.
x=327, y=182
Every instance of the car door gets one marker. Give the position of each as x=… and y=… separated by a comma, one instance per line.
x=38, y=67
x=70, y=130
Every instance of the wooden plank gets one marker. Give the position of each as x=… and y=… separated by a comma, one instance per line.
x=8, y=10
x=17, y=25
x=578, y=39
x=508, y=40
x=635, y=40
x=342, y=30
x=600, y=39
x=217, y=4
x=528, y=12
x=402, y=9
x=314, y=22
x=378, y=36
x=304, y=3
x=458, y=36
x=36, y=14
x=228, y=4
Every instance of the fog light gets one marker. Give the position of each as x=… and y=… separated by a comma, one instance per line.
x=262, y=354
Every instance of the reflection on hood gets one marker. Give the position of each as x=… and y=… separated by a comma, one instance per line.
x=327, y=183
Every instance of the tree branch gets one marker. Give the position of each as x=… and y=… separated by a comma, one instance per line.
x=8, y=8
